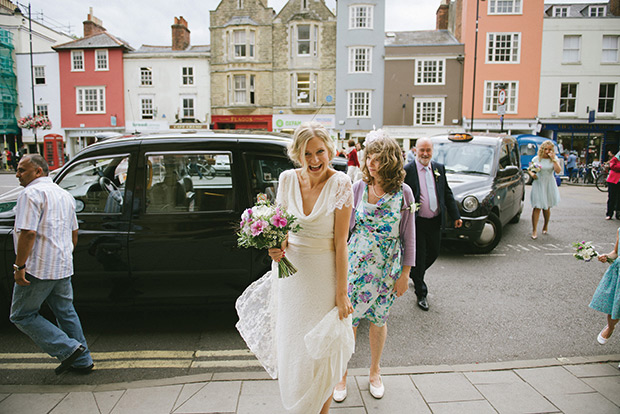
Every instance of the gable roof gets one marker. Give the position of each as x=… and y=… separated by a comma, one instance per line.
x=98, y=41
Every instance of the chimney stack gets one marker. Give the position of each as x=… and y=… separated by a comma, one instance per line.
x=180, y=34
x=443, y=13
x=92, y=25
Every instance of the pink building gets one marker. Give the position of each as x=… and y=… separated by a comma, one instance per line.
x=91, y=85
x=506, y=65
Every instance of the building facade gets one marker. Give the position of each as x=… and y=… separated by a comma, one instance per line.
x=360, y=67
x=304, y=65
x=91, y=85
x=423, y=84
x=579, y=78
x=168, y=86
x=503, y=42
x=43, y=71
x=241, y=65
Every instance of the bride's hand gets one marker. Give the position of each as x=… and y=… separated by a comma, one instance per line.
x=276, y=254
x=344, y=305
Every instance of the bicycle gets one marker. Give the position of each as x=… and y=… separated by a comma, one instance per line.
x=601, y=179
x=202, y=170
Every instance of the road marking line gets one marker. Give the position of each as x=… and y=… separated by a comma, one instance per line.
x=523, y=247
x=152, y=363
x=111, y=355
x=533, y=247
x=485, y=255
x=222, y=353
x=559, y=254
x=226, y=364
x=24, y=365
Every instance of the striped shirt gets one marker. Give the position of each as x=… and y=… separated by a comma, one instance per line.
x=49, y=210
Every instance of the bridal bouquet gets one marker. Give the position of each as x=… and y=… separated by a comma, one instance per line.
x=584, y=251
x=264, y=226
x=534, y=167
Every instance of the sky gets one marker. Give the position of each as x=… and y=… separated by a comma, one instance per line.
x=148, y=22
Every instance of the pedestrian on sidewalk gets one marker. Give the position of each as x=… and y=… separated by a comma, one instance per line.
x=299, y=326
x=606, y=298
x=45, y=235
x=545, y=193
x=381, y=247
x=613, y=187
x=430, y=187
x=353, y=164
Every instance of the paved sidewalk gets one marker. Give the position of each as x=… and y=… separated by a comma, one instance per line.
x=563, y=385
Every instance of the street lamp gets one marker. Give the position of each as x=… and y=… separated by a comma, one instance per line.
x=34, y=112
x=473, y=88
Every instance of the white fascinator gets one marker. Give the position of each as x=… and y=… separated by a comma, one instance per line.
x=376, y=135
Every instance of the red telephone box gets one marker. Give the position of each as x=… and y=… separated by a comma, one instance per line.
x=54, y=151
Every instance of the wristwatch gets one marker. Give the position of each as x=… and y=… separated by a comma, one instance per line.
x=18, y=268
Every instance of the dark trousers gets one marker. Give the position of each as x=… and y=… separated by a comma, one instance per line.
x=613, y=197
x=427, y=242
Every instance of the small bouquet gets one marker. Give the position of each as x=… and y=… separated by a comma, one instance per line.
x=584, y=251
x=534, y=167
x=265, y=226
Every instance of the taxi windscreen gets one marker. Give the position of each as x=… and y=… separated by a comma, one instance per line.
x=464, y=158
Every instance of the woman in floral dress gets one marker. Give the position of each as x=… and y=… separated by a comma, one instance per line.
x=381, y=246
x=545, y=193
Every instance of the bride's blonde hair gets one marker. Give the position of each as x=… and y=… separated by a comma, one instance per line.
x=304, y=133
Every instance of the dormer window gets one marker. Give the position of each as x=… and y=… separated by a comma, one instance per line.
x=596, y=11
x=560, y=11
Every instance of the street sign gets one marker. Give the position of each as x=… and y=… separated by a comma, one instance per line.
x=501, y=110
x=501, y=97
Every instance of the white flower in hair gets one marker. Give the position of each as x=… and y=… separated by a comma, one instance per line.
x=378, y=134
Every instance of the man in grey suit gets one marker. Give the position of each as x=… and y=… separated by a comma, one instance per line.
x=428, y=181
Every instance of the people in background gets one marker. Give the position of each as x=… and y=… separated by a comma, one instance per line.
x=545, y=193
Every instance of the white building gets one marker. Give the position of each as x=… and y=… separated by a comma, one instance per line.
x=45, y=67
x=580, y=73
x=168, y=86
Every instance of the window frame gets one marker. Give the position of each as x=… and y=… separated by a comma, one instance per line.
x=185, y=114
x=41, y=111
x=188, y=76
x=146, y=80
x=104, y=53
x=515, y=5
x=355, y=19
x=247, y=44
x=365, y=63
x=311, y=89
x=81, y=101
x=568, y=99
x=607, y=98
x=420, y=70
x=144, y=111
x=597, y=11
x=352, y=111
x=438, y=114
x=560, y=11
x=490, y=102
x=509, y=49
x=77, y=56
x=610, y=50
x=39, y=76
x=566, y=49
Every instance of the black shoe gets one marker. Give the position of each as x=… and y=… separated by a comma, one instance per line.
x=82, y=370
x=423, y=304
x=66, y=364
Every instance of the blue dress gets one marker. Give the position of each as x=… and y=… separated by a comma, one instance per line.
x=606, y=299
x=545, y=193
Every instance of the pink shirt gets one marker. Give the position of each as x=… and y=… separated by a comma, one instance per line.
x=425, y=211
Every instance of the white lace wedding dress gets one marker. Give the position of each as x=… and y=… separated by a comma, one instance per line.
x=292, y=324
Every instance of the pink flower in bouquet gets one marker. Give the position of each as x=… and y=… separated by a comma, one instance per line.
x=258, y=226
x=278, y=220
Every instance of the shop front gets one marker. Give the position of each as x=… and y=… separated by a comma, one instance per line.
x=288, y=123
x=242, y=122
x=590, y=142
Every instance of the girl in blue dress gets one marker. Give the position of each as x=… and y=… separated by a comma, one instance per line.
x=606, y=299
x=381, y=246
x=545, y=193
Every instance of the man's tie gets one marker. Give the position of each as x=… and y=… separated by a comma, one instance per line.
x=430, y=187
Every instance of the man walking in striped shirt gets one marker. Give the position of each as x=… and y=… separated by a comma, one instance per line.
x=45, y=235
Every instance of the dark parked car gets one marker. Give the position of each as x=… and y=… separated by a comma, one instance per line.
x=484, y=173
x=153, y=233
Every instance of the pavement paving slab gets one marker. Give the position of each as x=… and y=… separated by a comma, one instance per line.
x=30, y=403
x=492, y=377
x=401, y=397
x=516, y=398
x=260, y=397
x=188, y=391
x=593, y=370
x=553, y=380
x=463, y=407
x=445, y=387
x=77, y=402
x=155, y=400
x=354, y=395
x=106, y=400
x=584, y=403
x=214, y=397
x=609, y=387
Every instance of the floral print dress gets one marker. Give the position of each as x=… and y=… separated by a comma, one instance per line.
x=375, y=257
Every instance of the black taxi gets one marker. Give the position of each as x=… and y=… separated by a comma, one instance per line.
x=158, y=217
x=484, y=173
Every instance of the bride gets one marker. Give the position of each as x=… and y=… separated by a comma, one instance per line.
x=299, y=327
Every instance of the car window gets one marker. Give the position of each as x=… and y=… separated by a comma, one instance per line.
x=265, y=171
x=189, y=182
x=528, y=149
x=460, y=157
x=98, y=185
x=504, y=157
x=514, y=155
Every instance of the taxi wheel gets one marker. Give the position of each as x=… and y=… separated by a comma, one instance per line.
x=490, y=236
x=528, y=179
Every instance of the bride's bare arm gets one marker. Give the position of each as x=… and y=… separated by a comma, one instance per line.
x=341, y=232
